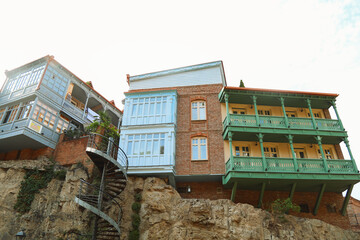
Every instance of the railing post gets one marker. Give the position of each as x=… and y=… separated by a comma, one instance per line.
x=231, y=151
x=261, y=136
x=256, y=111
x=227, y=109
x=318, y=139
x=337, y=114
x=311, y=113
x=284, y=112
x=350, y=153
x=290, y=137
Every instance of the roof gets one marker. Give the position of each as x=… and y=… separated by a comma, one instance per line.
x=177, y=70
x=281, y=91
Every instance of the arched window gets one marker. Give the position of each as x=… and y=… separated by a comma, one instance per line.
x=198, y=110
x=199, y=148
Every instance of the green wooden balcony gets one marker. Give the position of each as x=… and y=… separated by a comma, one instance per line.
x=251, y=171
x=279, y=122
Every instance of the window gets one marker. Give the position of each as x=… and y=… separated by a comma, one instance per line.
x=146, y=144
x=44, y=114
x=62, y=125
x=2, y=111
x=198, y=110
x=24, y=79
x=237, y=151
x=10, y=113
x=327, y=152
x=317, y=114
x=300, y=153
x=290, y=113
x=239, y=111
x=55, y=81
x=25, y=110
x=149, y=109
x=264, y=112
x=270, y=152
x=199, y=148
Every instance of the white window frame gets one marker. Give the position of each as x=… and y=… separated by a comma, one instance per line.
x=199, y=142
x=199, y=106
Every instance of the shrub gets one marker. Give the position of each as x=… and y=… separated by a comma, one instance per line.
x=282, y=206
x=136, y=207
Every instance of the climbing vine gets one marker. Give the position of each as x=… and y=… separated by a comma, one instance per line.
x=34, y=180
x=135, y=217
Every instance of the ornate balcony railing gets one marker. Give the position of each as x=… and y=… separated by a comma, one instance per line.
x=279, y=122
x=287, y=165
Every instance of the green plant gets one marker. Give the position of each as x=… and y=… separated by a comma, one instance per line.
x=135, y=220
x=134, y=234
x=242, y=83
x=138, y=197
x=34, y=180
x=136, y=207
x=282, y=206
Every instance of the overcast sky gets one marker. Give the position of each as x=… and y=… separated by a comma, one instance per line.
x=291, y=45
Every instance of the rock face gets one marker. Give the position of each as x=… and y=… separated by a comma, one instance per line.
x=164, y=215
x=53, y=212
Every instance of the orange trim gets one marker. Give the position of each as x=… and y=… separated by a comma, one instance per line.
x=281, y=91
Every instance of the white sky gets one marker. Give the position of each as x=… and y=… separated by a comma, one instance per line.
x=292, y=45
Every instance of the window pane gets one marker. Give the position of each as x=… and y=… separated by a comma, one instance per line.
x=129, y=148
x=203, y=152
x=148, y=147
x=136, y=147
x=194, y=114
x=156, y=147
x=134, y=108
x=195, y=152
x=162, y=146
x=158, y=106
x=142, y=147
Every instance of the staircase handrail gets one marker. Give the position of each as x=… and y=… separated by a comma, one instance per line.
x=93, y=187
x=112, y=149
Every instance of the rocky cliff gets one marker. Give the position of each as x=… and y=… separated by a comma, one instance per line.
x=164, y=214
x=53, y=212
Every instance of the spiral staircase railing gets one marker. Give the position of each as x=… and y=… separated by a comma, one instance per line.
x=113, y=163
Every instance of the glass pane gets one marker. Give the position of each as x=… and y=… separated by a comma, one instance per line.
x=152, y=109
x=195, y=152
x=203, y=152
x=202, y=113
x=134, y=108
x=194, y=114
x=129, y=148
x=156, y=147
x=158, y=106
x=136, y=148
x=162, y=146
x=148, y=147
x=142, y=147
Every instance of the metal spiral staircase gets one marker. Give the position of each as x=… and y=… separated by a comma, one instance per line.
x=101, y=199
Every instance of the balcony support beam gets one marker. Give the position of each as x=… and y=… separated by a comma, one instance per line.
x=233, y=193
x=292, y=191
x=346, y=200
x=256, y=111
x=337, y=115
x=318, y=139
x=346, y=141
x=319, y=197
x=227, y=108
x=290, y=137
x=262, y=191
x=311, y=113
x=86, y=103
x=282, y=100
x=261, y=141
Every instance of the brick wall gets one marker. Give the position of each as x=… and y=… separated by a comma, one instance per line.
x=27, y=154
x=329, y=203
x=73, y=151
x=211, y=128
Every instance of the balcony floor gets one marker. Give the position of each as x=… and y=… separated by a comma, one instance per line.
x=305, y=182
